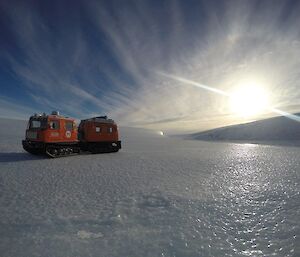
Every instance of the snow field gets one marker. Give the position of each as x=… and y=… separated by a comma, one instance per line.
x=158, y=196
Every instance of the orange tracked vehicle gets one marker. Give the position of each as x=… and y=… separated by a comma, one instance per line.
x=58, y=136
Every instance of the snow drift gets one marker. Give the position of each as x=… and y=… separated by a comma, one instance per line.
x=278, y=128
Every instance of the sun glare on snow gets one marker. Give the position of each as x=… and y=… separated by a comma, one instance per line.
x=249, y=100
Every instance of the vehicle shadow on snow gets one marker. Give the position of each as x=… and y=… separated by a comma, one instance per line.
x=19, y=156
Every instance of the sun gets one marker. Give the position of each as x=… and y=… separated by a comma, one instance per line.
x=249, y=100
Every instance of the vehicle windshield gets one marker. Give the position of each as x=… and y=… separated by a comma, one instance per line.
x=37, y=123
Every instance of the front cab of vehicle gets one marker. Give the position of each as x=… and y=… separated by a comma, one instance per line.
x=43, y=130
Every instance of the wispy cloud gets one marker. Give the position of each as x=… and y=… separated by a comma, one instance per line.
x=107, y=58
x=243, y=44
x=11, y=110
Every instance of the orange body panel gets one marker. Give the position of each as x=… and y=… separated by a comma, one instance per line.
x=94, y=131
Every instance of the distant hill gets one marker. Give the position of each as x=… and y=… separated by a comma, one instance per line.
x=278, y=128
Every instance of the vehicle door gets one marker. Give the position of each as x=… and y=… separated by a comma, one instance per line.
x=54, y=128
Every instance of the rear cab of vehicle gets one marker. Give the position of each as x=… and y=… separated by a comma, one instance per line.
x=99, y=134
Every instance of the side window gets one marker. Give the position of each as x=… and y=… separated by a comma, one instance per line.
x=98, y=129
x=54, y=124
x=109, y=130
x=69, y=125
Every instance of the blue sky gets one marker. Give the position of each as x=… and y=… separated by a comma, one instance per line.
x=88, y=58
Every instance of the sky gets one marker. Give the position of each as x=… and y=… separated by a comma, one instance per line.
x=131, y=60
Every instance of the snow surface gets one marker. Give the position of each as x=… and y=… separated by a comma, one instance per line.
x=158, y=196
